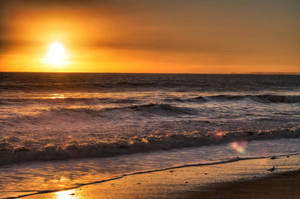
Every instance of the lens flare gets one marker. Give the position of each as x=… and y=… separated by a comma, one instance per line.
x=239, y=147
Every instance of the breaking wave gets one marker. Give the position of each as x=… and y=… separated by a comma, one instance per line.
x=10, y=152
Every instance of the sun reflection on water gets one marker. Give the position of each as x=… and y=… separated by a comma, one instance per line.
x=57, y=96
x=220, y=134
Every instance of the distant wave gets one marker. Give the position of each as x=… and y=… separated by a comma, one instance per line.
x=200, y=99
x=162, y=109
x=262, y=98
x=12, y=153
x=257, y=98
x=7, y=101
x=151, y=108
x=86, y=113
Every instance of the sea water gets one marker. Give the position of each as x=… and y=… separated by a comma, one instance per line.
x=64, y=129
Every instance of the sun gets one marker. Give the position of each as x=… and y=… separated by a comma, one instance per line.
x=56, y=55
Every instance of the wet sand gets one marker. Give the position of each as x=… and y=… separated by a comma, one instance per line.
x=279, y=186
x=241, y=179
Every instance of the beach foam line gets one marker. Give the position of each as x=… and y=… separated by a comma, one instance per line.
x=237, y=159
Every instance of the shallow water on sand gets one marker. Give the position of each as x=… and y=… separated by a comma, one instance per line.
x=59, y=175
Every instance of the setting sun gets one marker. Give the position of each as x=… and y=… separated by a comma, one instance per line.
x=56, y=55
x=121, y=99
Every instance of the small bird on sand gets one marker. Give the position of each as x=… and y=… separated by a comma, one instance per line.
x=273, y=158
x=272, y=169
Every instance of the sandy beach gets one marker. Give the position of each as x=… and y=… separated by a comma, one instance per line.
x=279, y=186
x=240, y=179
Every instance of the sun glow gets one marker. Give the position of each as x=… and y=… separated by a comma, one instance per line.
x=56, y=55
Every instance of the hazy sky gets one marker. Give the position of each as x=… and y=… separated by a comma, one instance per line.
x=166, y=36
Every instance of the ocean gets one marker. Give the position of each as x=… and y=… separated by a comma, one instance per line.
x=65, y=129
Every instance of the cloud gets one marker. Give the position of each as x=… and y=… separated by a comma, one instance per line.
x=6, y=44
x=234, y=27
x=168, y=46
x=55, y=3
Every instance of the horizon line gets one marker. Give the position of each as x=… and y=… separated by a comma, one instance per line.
x=250, y=73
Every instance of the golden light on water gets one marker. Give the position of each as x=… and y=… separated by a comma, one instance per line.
x=56, y=96
x=220, y=134
x=56, y=56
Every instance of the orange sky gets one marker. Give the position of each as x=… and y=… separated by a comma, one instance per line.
x=170, y=36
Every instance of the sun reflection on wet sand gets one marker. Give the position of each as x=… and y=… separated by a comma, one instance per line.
x=69, y=194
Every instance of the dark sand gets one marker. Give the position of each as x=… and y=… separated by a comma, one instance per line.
x=283, y=186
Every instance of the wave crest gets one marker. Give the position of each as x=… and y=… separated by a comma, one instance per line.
x=223, y=98
x=11, y=153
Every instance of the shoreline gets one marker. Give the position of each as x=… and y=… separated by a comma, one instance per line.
x=233, y=180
